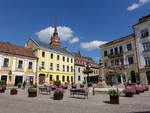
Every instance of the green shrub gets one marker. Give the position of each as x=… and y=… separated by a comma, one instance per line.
x=2, y=82
x=57, y=83
x=4, y=87
x=32, y=89
x=113, y=92
x=13, y=89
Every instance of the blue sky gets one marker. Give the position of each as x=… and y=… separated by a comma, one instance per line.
x=83, y=24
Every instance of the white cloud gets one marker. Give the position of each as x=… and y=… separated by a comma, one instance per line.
x=65, y=33
x=137, y=5
x=92, y=45
x=74, y=40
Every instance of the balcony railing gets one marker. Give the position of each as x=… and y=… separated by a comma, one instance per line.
x=117, y=67
x=115, y=55
x=131, y=65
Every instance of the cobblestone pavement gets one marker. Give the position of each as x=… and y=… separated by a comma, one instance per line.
x=95, y=104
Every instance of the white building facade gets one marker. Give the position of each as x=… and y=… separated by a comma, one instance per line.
x=80, y=65
x=142, y=35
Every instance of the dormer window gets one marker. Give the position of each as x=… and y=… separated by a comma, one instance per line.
x=144, y=33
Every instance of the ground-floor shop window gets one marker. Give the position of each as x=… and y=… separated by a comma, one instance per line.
x=29, y=80
x=4, y=78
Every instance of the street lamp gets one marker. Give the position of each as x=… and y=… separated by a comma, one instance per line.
x=87, y=71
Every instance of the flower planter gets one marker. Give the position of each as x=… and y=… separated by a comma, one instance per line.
x=13, y=92
x=2, y=90
x=142, y=91
x=58, y=96
x=114, y=99
x=65, y=87
x=53, y=87
x=32, y=94
x=129, y=94
x=137, y=92
x=146, y=89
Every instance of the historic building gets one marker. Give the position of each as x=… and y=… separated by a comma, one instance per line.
x=120, y=56
x=142, y=36
x=17, y=64
x=130, y=55
x=54, y=62
x=80, y=65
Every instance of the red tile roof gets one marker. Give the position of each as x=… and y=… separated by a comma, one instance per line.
x=9, y=48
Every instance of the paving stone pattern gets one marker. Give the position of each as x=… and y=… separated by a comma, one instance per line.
x=21, y=103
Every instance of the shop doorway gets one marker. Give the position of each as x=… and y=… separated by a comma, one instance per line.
x=41, y=78
x=4, y=78
x=119, y=79
x=18, y=79
x=148, y=77
x=133, y=77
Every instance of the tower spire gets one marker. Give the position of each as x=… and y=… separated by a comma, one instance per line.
x=55, y=39
x=55, y=29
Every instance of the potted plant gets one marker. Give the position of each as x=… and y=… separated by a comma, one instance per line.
x=137, y=89
x=19, y=85
x=35, y=85
x=58, y=94
x=57, y=83
x=1, y=90
x=13, y=91
x=2, y=82
x=53, y=87
x=32, y=92
x=141, y=88
x=65, y=86
x=129, y=92
x=4, y=87
x=146, y=88
x=114, y=96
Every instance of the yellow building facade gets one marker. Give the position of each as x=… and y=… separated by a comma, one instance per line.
x=54, y=62
x=120, y=56
x=17, y=64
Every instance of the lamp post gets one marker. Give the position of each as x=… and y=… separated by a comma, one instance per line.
x=87, y=71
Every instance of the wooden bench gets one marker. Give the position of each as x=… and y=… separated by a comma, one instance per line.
x=45, y=89
x=79, y=92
